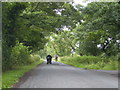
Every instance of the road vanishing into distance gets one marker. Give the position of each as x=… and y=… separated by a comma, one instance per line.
x=59, y=75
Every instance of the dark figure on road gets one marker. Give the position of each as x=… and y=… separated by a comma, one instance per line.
x=56, y=58
x=49, y=59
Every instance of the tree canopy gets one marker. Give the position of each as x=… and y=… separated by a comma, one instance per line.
x=61, y=28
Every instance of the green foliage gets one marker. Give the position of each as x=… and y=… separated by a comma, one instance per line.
x=84, y=59
x=112, y=65
x=96, y=34
x=6, y=58
x=34, y=58
x=11, y=77
x=20, y=55
x=39, y=27
x=60, y=44
x=11, y=12
x=31, y=23
x=104, y=19
x=91, y=62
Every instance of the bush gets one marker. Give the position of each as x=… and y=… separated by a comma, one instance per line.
x=112, y=65
x=92, y=66
x=83, y=59
x=19, y=55
x=34, y=58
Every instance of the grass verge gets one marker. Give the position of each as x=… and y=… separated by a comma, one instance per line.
x=91, y=62
x=11, y=77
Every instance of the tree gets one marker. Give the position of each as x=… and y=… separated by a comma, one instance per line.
x=103, y=17
x=30, y=23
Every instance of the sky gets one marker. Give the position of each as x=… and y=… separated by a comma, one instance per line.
x=80, y=2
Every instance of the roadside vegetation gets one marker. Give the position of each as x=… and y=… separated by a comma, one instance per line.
x=9, y=78
x=91, y=62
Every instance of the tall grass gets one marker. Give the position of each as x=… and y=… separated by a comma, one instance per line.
x=91, y=62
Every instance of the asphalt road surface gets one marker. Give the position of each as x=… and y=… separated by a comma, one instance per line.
x=58, y=75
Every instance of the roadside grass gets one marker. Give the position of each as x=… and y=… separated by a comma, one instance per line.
x=91, y=62
x=11, y=77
